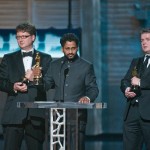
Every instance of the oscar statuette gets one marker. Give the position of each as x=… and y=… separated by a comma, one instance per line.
x=135, y=88
x=37, y=78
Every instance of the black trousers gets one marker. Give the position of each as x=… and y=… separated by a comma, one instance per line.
x=14, y=134
x=75, y=141
x=136, y=130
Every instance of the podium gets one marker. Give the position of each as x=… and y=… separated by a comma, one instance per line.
x=57, y=114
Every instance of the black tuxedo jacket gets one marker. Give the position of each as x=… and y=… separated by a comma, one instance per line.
x=144, y=97
x=72, y=84
x=11, y=71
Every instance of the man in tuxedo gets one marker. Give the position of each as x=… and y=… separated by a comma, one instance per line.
x=14, y=71
x=74, y=81
x=136, y=88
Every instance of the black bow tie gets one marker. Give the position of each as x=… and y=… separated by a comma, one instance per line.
x=25, y=54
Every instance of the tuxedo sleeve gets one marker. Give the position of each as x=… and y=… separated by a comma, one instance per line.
x=48, y=80
x=92, y=90
x=126, y=81
x=5, y=84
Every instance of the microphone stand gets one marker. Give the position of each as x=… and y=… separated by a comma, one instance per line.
x=65, y=74
x=61, y=91
x=60, y=84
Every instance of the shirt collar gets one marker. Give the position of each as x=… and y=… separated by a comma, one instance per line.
x=31, y=50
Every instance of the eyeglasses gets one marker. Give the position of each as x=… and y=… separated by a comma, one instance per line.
x=22, y=37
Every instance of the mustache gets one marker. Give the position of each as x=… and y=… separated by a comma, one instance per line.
x=71, y=54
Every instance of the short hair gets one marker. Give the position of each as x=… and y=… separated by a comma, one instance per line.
x=69, y=37
x=26, y=27
x=145, y=30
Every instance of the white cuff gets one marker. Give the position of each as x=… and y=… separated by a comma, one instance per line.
x=139, y=83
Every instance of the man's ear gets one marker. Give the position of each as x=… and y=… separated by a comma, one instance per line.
x=33, y=38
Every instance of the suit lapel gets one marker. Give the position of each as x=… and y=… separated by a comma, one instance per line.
x=141, y=67
x=19, y=62
x=34, y=55
x=146, y=71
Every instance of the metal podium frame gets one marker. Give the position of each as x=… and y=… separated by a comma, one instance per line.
x=57, y=111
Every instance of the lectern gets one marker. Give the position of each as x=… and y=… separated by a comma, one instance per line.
x=57, y=115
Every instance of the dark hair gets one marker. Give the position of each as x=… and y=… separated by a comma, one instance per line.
x=69, y=37
x=26, y=27
x=145, y=30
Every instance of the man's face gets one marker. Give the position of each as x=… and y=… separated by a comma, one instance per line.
x=145, y=42
x=70, y=49
x=25, y=40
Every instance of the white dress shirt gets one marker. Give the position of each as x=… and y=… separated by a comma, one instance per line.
x=27, y=61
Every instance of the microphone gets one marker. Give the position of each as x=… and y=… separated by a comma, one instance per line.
x=65, y=74
x=60, y=99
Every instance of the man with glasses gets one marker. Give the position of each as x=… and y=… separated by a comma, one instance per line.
x=14, y=71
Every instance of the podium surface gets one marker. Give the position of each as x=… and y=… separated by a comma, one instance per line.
x=53, y=104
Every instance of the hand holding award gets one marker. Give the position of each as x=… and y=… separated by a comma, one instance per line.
x=135, y=88
x=37, y=70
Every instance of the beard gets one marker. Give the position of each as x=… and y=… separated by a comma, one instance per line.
x=71, y=57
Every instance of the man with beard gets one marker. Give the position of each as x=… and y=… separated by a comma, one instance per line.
x=74, y=81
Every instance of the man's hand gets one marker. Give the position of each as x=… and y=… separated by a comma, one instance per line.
x=135, y=81
x=19, y=86
x=29, y=75
x=128, y=93
x=84, y=100
x=32, y=73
